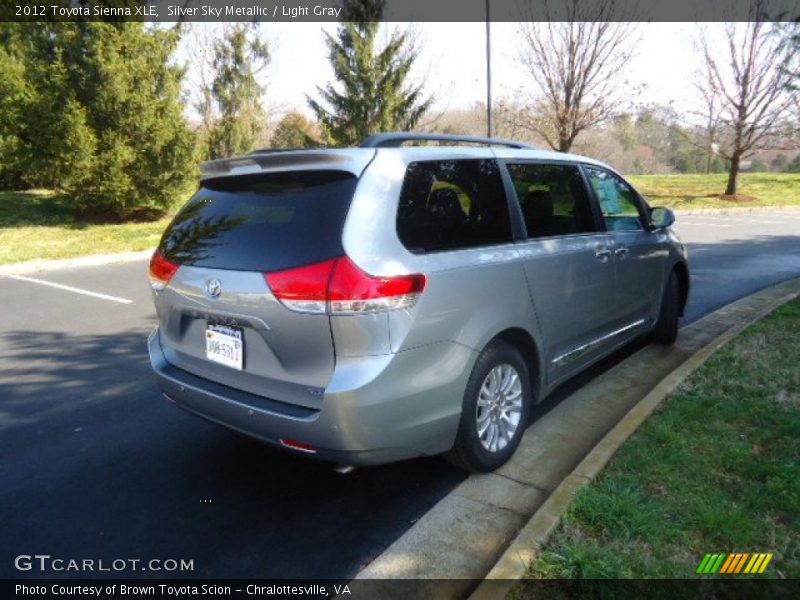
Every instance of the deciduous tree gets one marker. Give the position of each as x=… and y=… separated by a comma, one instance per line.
x=577, y=61
x=748, y=74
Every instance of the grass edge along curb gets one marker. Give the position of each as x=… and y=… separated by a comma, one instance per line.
x=513, y=563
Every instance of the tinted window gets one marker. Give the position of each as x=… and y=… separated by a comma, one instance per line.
x=264, y=222
x=553, y=198
x=617, y=200
x=452, y=204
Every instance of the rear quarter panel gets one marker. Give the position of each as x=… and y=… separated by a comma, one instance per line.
x=471, y=295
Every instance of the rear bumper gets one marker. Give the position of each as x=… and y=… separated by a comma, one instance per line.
x=375, y=409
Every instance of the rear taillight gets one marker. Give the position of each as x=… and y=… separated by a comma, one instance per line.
x=337, y=286
x=353, y=291
x=304, y=289
x=161, y=271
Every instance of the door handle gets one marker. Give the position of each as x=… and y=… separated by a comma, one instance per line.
x=621, y=251
x=602, y=254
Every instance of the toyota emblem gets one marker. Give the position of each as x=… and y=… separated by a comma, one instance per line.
x=213, y=288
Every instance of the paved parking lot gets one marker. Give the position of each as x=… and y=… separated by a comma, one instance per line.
x=97, y=465
x=733, y=255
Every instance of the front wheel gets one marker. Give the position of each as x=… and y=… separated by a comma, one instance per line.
x=495, y=411
x=666, y=330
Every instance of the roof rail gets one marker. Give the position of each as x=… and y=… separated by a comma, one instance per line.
x=396, y=139
x=274, y=150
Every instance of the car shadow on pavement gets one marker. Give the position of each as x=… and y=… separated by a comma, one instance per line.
x=101, y=465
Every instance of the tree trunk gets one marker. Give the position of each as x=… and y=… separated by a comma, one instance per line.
x=733, y=175
x=564, y=144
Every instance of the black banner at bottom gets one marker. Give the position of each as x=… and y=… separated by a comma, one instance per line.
x=106, y=589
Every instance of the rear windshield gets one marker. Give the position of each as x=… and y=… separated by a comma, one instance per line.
x=264, y=222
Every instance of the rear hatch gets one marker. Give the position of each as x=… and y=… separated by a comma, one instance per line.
x=218, y=317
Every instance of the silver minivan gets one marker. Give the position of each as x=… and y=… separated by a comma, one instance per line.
x=372, y=304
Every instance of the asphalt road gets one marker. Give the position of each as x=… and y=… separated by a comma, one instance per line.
x=734, y=255
x=96, y=465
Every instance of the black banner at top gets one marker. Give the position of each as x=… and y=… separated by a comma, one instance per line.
x=171, y=11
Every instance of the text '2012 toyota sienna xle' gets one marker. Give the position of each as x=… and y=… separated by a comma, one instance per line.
x=372, y=304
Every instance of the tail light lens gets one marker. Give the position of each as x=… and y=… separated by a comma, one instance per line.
x=304, y=289
x=161, y=271
x=338, y=286
x=353, y=291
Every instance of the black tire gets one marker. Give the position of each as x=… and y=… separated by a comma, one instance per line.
x=666, y=330
x=468, y=451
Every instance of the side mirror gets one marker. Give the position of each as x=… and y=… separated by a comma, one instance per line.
x=661, y=218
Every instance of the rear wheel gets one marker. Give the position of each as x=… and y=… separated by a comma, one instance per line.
x=496, y=409
x=666, y=330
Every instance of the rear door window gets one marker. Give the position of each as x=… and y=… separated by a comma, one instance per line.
x=553, y=198
x=265, y=222
x=452, y=204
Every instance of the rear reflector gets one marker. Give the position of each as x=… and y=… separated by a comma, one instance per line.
x=295, y=445
x=161, y=271
x=338, y=286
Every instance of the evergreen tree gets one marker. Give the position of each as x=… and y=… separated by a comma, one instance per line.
x=758, y=166
x=684, y=154
x=624, y=128
x=294, y=131
x=103, y=121
x=237, y=94
x=15, y=95
x=61, y=146
x=719, y=165
x=779, y=163
x=373, y=94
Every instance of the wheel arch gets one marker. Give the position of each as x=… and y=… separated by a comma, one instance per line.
x=526, y=344
x=682, y=271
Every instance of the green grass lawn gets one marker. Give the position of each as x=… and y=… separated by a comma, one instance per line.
x=685, y=191
x=40, y=225
x=716, y=469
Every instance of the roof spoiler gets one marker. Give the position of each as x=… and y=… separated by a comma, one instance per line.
x=353, y=160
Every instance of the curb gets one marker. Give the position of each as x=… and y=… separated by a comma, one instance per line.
x=734, y=210
x=513, y=563
x=33, y=266
x=483, y=526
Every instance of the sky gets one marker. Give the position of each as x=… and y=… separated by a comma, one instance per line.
x=452, y=60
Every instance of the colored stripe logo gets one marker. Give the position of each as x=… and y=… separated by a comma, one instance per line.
x=734, y=563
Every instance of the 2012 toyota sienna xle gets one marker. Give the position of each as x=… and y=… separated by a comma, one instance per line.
x=371, y=304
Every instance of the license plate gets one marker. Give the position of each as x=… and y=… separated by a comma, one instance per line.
x=224, y=345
